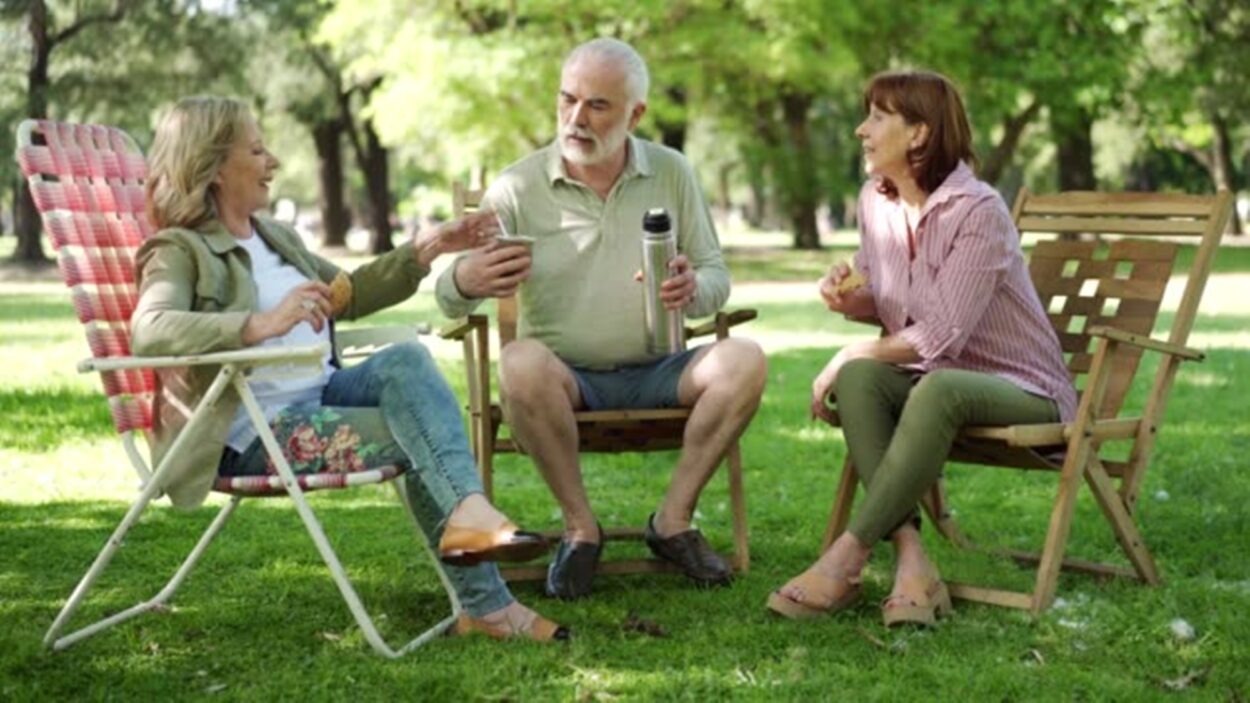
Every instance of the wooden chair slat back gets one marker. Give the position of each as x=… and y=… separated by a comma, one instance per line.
x=465, y=200
x=1079, y=288
x=1115, y=281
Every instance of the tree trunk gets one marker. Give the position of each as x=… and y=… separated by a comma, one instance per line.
x=26, y=217
x=1222, y=169
x=327, y=136
x=759, y=196
x=673, y=132
x=1013, y=129
x=378, y=189
x=723, y=181
x=802, y=185
x=1075, y=148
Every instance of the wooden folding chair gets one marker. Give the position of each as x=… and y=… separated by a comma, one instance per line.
x=1102, y=292
x=87, y=182
x=605, y=431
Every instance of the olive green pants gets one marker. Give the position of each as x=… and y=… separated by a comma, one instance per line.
x=900, y=425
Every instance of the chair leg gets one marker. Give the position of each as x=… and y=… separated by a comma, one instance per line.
x=841, y=513
x=1060, y=525
x=328, y=555
x=106, y=555
x=486, y=459
x=1126, y=532
x=737, y=501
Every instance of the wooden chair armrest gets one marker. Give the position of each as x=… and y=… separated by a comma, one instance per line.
x=1145, y=342
x=727, y=319
x=459, y=328
x=256, y=356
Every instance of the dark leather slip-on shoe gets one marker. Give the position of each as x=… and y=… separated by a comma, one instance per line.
x=572, y=569
x=690, y=551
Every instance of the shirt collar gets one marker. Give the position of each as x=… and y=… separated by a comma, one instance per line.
x=217, y=237
x=636, y=162
x=220, y=240
x=960, y=182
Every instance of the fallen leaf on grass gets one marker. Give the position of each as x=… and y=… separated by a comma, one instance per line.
x=633, y=623
x=1033, y=656
x=876, y=641
x=216, y=688
x=330, y=636
x=1188, y=679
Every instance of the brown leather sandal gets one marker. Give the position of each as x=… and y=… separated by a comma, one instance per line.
x=899, y=609
x=539, y=629
x=821, y=596
x=465, y=546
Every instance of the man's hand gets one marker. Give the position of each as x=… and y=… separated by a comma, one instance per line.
x=308, y=302
x=677, y=291
x=492, y=271
x=473, y=230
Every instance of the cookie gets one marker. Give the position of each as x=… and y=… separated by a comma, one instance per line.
x=340, y=293
x=853, y=282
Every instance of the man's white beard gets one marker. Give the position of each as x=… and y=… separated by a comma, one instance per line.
x=601, y=149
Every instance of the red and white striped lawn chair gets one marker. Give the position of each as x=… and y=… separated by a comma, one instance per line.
x=87, y=182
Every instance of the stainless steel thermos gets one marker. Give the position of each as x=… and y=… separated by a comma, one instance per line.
x=665, y=328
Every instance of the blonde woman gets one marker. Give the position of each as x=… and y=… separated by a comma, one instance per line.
x=218, y=277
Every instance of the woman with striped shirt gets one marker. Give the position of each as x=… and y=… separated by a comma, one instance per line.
x=967, y=341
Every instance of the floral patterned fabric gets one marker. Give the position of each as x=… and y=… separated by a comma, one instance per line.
x=320, y=439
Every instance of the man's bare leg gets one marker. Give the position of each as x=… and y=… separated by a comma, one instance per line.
x=722, y=384
x=539, y=395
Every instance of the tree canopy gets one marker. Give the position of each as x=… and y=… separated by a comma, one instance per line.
x=379, y=103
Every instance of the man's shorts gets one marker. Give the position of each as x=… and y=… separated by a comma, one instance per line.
x=651, y=385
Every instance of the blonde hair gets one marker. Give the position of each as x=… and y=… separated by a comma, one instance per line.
x=192, y=142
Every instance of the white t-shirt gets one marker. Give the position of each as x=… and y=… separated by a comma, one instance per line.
x=279, y=385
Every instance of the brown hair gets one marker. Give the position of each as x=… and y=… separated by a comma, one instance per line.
x=924, y=97
x=191, y=144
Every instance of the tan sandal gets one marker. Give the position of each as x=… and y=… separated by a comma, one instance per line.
x=936, y=601
x=466, y=546
x=821, y=596
x=539, y=629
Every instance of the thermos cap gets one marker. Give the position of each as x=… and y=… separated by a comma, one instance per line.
x=656, y=220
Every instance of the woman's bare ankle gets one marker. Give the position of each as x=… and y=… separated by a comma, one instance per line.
x=474, y=511
x=845, y=558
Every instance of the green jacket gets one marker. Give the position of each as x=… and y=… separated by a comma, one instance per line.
x=195, y=293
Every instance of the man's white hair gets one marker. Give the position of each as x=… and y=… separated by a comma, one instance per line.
x=637, y=79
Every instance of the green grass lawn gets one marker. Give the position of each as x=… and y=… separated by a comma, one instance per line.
x=260, y=619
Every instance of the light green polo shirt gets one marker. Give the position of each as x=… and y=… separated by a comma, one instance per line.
x=581, y=299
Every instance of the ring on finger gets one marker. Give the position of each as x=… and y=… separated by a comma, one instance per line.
x=308, y=304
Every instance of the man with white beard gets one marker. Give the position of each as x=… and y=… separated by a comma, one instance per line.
x=581, y=342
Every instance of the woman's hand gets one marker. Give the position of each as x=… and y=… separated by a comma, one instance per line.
x=822, y=386
x=855, y=302
x=308, y=302
x=469, y=232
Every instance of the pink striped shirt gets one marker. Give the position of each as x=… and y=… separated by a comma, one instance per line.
x=966, y=300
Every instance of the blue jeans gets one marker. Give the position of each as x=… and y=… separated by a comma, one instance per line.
x=395, y=407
